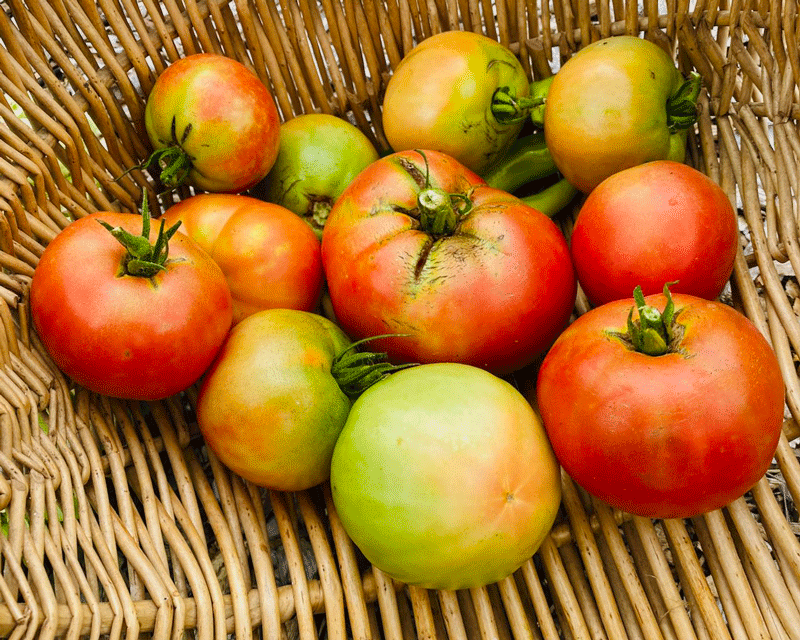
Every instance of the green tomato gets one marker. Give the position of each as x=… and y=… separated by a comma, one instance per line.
x=319, y=155
x=617, y=103
x=444, y=478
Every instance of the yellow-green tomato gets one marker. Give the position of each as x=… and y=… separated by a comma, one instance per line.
x=319, y=155
x=444, y=478
x=442, y=96
x=617, y=103
x=269, y=406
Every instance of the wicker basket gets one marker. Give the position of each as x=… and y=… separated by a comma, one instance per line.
x=115, y=519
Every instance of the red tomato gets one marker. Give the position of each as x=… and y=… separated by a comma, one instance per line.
x=663, y=436
x=270, y=256
x=142, y=337
x=419, y=245
x=658, y=222
x=213, y=122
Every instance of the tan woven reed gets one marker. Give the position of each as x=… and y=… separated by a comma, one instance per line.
x=116, y=520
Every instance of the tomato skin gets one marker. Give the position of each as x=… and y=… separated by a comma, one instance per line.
x=269, y=256
x=440, y=97
x=234, y=123
x=319, y=156
x=444, y=478
x=126, y=336
x=269, y=407
x=658, y=222
x=606, y=110
x=494, y=294
x=670, y=436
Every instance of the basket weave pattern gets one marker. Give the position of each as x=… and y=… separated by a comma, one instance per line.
x=116, y=521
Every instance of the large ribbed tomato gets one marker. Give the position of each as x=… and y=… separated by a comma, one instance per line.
x=420, y=247
x=670, y=413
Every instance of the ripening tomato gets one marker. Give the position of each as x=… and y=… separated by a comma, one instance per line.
x=444, y=478
x=458, y=92
x=275, y=399
x=213, y=123
x=420, y=247
x=270, y=257
x=616, y=103
x=139, y=322
x=670, y=414
x=658, y=222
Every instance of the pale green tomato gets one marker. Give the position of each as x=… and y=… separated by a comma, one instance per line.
x=444, y=478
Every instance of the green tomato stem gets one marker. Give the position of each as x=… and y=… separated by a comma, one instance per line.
x=682, y=105
x=509, y=108
x=653, y=331
x=538, y=91
x=553, y=199
x=355, y=371
x=174, y=161
x=437, y=215
x=143, y=259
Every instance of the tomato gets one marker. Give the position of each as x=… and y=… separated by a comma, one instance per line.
x=658, y=222
x=617, y=103
x=270, y=257
x=278, y=394
x=444, y=478
x=419, y=246
x=319, y=156
x=445, y=95
x=663, y=436
x=118, y=323
x=212, y=122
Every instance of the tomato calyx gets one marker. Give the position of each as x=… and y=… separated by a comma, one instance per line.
x=653, y=333
x=509, y=108
x=355, y=371
x=173, y=160
x=143, y=259
x=439, y=211
x=682, y=105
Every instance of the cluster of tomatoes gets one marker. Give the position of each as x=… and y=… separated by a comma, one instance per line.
x=358, y=320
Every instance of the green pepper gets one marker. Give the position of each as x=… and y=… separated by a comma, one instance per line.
x=552, y=199
x=527, y=160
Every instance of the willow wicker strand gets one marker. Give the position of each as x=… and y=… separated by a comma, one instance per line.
x=117, y=521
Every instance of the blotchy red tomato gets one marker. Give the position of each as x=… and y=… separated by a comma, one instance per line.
x=663, y=436
x=420, y=247
x=216, y=119
x=123, y=335
x=270, y=257
x=658, y=222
